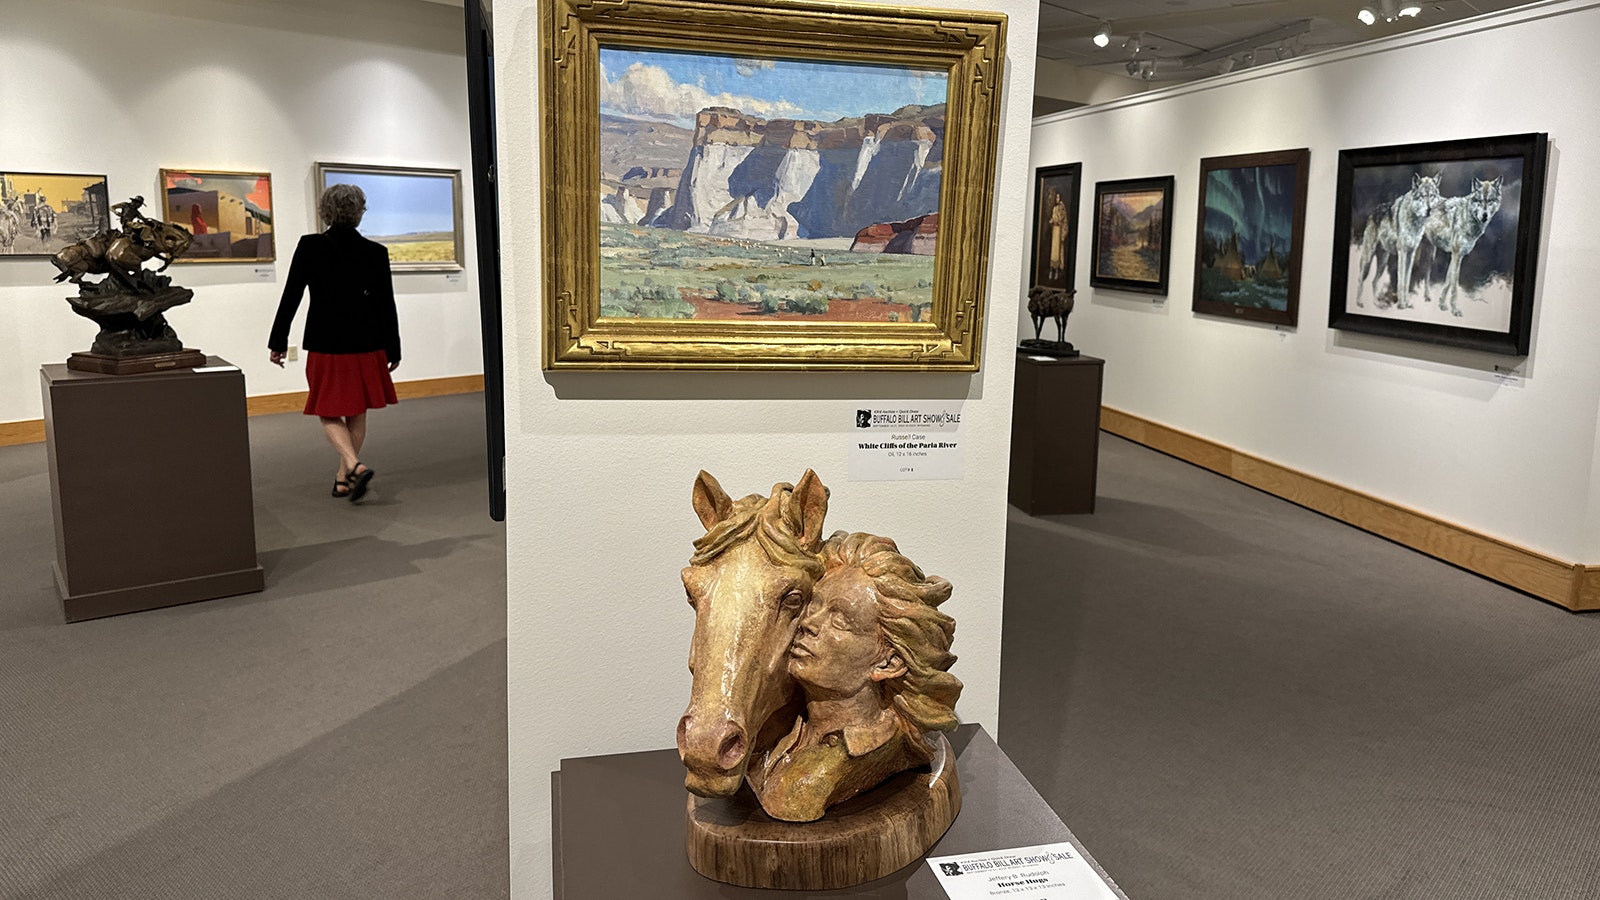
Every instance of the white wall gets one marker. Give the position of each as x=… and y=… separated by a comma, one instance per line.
x=124, y=89
x=600, y=465
x=1424, y=426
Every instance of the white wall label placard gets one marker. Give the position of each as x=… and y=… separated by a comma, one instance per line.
x=1046, y=872
x=453, y=278
x=923, y=441
x=265, y=273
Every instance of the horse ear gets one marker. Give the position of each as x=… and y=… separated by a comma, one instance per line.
x=711, y=502
x=808, y=505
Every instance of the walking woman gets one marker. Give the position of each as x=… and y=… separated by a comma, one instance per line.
x=352, y=337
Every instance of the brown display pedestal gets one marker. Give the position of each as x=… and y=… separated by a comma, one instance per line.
x=1055, y=435
x=85, y=361
x=150, y=486
x=618, y=831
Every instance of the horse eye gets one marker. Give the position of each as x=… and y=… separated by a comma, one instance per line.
x=793, y=600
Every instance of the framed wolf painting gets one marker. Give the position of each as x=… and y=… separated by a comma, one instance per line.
x=1055, y=225
x=1251, y=234
x=1132, y=234
x=739, y=186
x=1439, y=242
x=42, y=212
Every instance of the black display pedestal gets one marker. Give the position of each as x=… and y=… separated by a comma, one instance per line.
x=618, y=828
x=1055, y=435
x=150, y=487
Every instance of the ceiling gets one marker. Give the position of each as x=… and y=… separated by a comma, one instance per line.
x=1183, y=40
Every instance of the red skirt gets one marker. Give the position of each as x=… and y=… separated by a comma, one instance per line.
x=348, y=384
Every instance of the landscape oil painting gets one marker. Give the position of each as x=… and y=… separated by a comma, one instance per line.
x=1438, y=242
x=414, y=212
x=42, y=212
x=229, y=213
x=749, y=188
x=1250, y=235
x=740, y=186
x=1132, y=234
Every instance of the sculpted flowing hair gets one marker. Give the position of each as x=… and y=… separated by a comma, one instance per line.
x=910, y=623
x=770, y=521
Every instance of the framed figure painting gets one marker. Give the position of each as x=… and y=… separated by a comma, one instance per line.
x=1055, y=225
x=1132, y=234
x=414, y=212
x=42, y=212
x=1250, y=237
x=229, y=214
x=764, y=195
x=1438, y=242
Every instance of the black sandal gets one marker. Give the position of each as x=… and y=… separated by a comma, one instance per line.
x=338, y=494
x=359, y=480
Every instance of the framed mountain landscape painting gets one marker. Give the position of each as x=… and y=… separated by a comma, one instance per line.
x=1132, y=234
x=738, y=186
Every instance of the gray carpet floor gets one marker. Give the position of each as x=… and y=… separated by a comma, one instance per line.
x=1228, y=697
x=340, y=735
x=1224, y=695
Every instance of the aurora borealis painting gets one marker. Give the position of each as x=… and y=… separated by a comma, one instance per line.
x=1252, y=219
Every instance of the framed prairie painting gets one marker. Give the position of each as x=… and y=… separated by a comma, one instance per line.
x=1251, y=234
x=1439, y=242
x=229, y=214
x=737, y=185
x=42, y=212
x=1132, y=234
x=414, y=212
x=1055, y=225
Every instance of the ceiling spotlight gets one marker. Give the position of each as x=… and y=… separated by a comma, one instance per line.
x=1102, y=37
x=1367, y=15
x=1226, y=65
x=1411, y=9
x=1133, y=67
x=1147, y=69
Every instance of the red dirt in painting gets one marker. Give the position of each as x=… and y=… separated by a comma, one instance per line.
x=871, y=309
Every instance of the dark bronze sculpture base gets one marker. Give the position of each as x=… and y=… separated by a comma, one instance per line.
x=1047, y=348
x=134, y=365
x=864, y=838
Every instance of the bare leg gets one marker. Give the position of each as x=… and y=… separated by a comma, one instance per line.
x=358, y=431
x=338, y=434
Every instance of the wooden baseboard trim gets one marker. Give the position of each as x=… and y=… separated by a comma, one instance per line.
x=31, y=431
x=1571, y=585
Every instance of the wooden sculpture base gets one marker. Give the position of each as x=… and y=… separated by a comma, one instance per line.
x=134, y=365
x=866, y=837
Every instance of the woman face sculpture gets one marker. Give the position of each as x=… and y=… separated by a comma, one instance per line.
x=838, y=650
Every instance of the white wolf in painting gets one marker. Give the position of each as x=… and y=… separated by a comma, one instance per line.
x=1455, y=226
x=1396, y=232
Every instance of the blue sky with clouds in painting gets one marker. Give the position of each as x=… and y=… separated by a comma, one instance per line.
x=673, y=87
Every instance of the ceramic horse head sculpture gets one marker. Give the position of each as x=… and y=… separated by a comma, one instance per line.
x=749, y=581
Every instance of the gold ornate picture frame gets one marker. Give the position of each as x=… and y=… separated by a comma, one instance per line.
x=727, y=185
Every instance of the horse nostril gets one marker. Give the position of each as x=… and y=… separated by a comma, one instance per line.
x=731, y=753
x=683, y=731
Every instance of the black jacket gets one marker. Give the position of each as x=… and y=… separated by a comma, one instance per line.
x=352, y=296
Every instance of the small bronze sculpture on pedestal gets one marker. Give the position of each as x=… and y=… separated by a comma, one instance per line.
x=129, y=302
x=1043, y=303
x=821, y=686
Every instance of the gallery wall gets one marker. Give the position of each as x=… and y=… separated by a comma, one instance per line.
x=124, y=89
x=600, y=466
x=1445, y=431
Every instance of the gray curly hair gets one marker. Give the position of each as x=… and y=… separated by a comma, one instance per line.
x=342, y=204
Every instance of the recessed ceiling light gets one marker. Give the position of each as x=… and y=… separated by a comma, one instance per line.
x=1367, y=15
x=1410, y=9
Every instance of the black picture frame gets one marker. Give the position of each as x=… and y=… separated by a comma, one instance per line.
x=1124, y=231
x=1053, y=262
x=1486, y=198
x=1250, y=238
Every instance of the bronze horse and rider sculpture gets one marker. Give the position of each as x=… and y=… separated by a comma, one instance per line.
x=128, y=304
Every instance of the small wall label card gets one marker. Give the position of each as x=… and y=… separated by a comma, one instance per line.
x=1045, y=872
x=905, y=442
